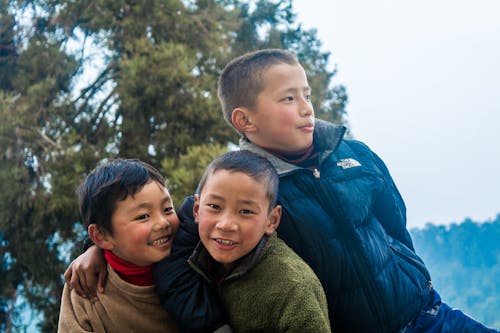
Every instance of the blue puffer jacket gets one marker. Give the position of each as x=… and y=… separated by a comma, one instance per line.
x=348, y=222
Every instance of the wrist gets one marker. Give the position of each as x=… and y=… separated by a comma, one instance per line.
x=87, y=243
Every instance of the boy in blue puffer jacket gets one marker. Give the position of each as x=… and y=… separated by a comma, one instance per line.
x=342, y=212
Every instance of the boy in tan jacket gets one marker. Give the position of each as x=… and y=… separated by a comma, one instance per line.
x=128, y=213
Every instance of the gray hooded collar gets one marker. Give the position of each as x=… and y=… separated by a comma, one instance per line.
x=327, y=137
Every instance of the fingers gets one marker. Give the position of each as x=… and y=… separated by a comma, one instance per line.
x=87, y=273
x=102, y=280
x=82, y=279
x=76, y=286
x=89, y=285
x=67, y=275
x=84, y=282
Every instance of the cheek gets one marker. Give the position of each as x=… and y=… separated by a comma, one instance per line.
x=252, y=234
x=139, y=233
x=203, y=230
x=285, y=118
x=174, y=223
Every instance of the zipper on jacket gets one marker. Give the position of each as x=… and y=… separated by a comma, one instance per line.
x=316, y=173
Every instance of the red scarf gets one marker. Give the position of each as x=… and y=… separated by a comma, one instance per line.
x=140, y=276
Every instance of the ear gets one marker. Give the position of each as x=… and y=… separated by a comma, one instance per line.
x=241, y=119
x=273, y=220
x=196, y=208
x=100, y=237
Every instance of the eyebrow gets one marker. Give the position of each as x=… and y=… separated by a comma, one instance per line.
x=247, y=202
x=165, y=199
x=293, y=90
x=214, y=197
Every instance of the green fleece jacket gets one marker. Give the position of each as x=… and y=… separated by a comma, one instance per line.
x=270, y=290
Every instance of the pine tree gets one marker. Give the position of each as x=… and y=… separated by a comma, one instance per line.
x=83, y=81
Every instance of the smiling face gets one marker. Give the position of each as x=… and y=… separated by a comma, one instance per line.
x=282, y=118
x=233, y=214
x=143, y=226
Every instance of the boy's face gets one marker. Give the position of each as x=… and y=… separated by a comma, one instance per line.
x=143, y=226
x=283, y=116
x=232, y=211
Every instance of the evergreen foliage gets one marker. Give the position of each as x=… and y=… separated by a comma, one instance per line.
x=84, y=81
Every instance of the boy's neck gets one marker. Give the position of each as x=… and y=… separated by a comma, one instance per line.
x=138, y=275
x=308, y=158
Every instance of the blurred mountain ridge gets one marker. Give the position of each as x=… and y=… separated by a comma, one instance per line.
x=464, y=262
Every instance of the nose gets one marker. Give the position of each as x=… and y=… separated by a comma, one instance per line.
x=226, y=223
x=306, y=107
x=162, y=222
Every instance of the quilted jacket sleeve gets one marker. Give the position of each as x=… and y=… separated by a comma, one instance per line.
x=390, y=208
x=183, y=292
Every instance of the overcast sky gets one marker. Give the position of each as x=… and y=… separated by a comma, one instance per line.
x=423, y=80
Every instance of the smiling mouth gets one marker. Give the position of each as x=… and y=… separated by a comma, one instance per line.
x=160, y=241
x=225, y=241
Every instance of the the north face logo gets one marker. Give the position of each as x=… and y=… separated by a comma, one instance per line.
x=348, y=163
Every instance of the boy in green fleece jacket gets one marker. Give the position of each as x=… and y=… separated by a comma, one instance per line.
x=264, y=285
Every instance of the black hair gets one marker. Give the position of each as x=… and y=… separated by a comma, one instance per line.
x=241, y=79
x=109, y=183
x=251, y=164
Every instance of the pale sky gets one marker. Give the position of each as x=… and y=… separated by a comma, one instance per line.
x=423, y=80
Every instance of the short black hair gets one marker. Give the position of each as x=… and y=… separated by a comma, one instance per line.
x=109, y=183
x=251, y=164
x=241, y=79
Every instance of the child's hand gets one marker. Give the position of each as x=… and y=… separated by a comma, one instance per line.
x=87, y=273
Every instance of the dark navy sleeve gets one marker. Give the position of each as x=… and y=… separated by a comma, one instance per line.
x=184, y=293
x=390, y=208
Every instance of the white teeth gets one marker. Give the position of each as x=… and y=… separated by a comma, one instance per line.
x=160, y=241
x=225, y=241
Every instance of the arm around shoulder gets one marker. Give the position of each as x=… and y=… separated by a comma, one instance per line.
x=73, y=315
x=177, y=283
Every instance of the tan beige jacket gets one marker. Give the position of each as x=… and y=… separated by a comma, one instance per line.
x=123, y=307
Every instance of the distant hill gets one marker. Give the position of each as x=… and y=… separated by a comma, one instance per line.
x=464, y=262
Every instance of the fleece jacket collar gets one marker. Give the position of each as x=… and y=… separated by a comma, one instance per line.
x=200, y=257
